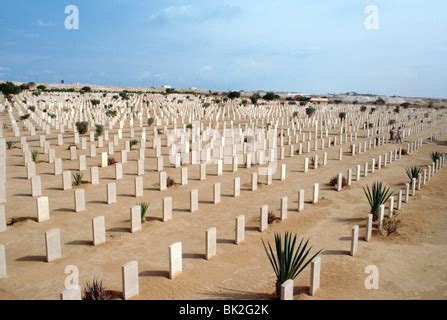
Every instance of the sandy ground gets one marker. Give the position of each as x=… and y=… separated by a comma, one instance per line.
x=412, y=264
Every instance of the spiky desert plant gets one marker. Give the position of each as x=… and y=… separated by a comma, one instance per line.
x=10, y=144
x=413, y=172
x=435, y=156
x=34, y=155
x=144, y=209
x=95, y=291
x=133, y=143
x=377, y=195
x=288, y=260
x=78, y=178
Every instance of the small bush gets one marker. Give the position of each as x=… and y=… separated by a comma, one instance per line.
x=144, y=209
x=310, y=111
x=413, y=172
x=32, y=108
x=391, y=225
x=334, y=180
x=78, y=178
x=133, y=143
x=111, y=161
x=34, y=155
x=95, y=291
x=271, y=217
x=24, y=117
x=435, y=156
x=342, y=115
x=404, y=152
x=150, y=121
x=170, y=182
x=111, y=113
x=10, y=144
x=82, y=127
x=99, y=130
x=189, y=126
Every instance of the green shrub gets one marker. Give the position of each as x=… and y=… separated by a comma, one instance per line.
x=99, y=130
x=82, y=127
x=95, y=291
x=10, y=144
x=34, y=155
x=288, y=260
x=377, y=195
x=144, y=209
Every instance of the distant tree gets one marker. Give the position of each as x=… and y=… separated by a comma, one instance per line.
x=86, y=89
x=9, y=88
x=41, y=87
x=95, y=102
x=270, y=96
x=111, y=113
x=170, y=90
x=254, y=98
x=379, y=102
x=405, y=105
x=123, y=95
x=234, y=94
x=310, y=111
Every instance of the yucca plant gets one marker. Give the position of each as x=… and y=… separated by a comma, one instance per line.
x=435, y=156
x=95, y=291
x=288, y=260
x=10, y=144
x=377, y=195
x=144, y=209
x=78, y=178
x=133, y=143
x=34, y=155
x=413, y=172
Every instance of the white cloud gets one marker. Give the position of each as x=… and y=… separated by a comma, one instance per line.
x=4, y=71
x=44, y=24
x=188, y=13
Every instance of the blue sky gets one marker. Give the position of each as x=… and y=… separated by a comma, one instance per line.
x=318, y=46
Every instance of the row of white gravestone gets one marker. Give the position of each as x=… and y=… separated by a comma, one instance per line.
x=287, y=287
x=130, y=275
x=439, y=164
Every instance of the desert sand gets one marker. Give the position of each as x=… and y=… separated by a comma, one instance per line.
x=412, y=263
